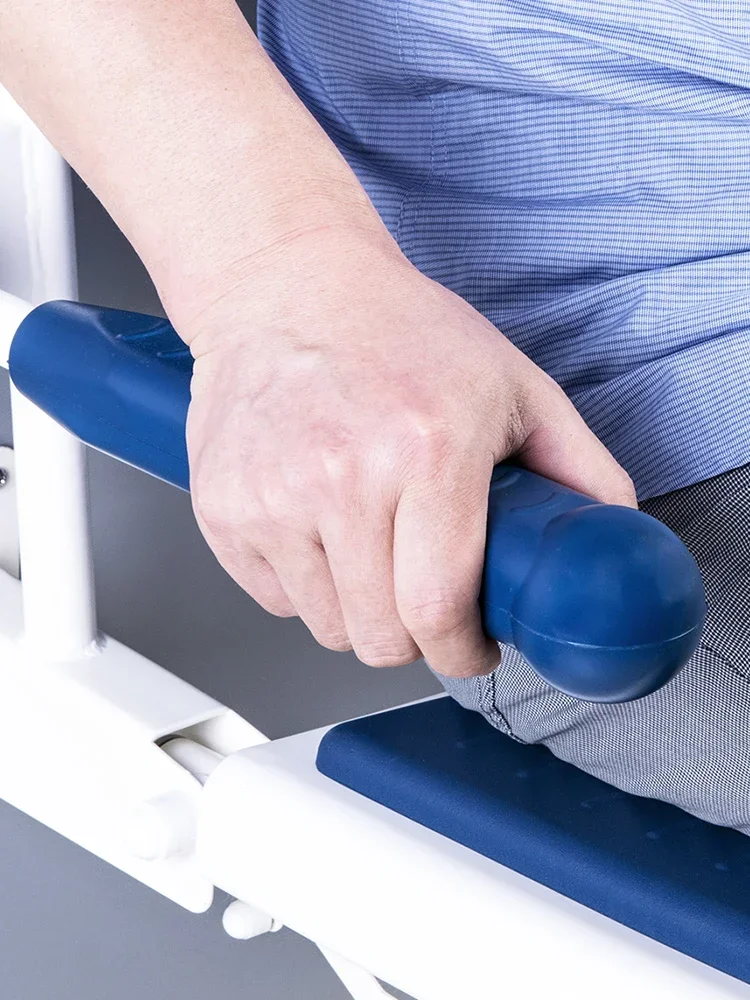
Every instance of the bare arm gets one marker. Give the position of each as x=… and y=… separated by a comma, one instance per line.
x=346, y=411
x=176, y=118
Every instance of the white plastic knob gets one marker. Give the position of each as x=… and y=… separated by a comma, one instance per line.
x=243, y=921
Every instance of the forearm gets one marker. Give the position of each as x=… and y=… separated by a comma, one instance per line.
x=179, y=122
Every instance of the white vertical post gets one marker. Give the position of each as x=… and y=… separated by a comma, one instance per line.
x=53, y=529
x=54, y=535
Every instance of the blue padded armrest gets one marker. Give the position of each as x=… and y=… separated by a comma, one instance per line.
x=644, y=863
x=605, y=602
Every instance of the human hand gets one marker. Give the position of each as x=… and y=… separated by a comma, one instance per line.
x=347, y=414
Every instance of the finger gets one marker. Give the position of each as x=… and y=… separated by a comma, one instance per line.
x=302, y=568
x=359, y=546
x=236, y=554
x=559, y=445
x=439, y=544
x=256, y=577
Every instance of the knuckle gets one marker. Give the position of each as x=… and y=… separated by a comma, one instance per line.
x=275, y=501
x=210, y=510
x=222, y=531
x=385, y=653
x=222, y=517
x=427, y=440
x=335, y=640
x=327, y=627
x=340, y=467
x=437, y=616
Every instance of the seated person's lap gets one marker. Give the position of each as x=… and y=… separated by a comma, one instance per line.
x=688, y=743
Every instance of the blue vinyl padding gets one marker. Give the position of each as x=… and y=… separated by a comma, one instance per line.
x=118, y=380
x=644, y=863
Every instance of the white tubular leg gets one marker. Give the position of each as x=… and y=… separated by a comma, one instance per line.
x=59, y=617
x=53, y=529
x=360, y=983
x=59, y=612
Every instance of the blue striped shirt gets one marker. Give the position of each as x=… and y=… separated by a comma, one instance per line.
x=578, y=170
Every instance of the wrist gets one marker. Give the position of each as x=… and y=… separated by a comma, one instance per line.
x=313, y=251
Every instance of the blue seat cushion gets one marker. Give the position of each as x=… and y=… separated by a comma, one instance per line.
x=644, y=863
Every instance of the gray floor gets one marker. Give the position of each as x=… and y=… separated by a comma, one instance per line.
x=73, y=928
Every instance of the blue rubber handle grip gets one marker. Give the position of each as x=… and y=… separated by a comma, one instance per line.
x=605, y=602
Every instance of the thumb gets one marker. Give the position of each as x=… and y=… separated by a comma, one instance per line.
x=560, y=446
